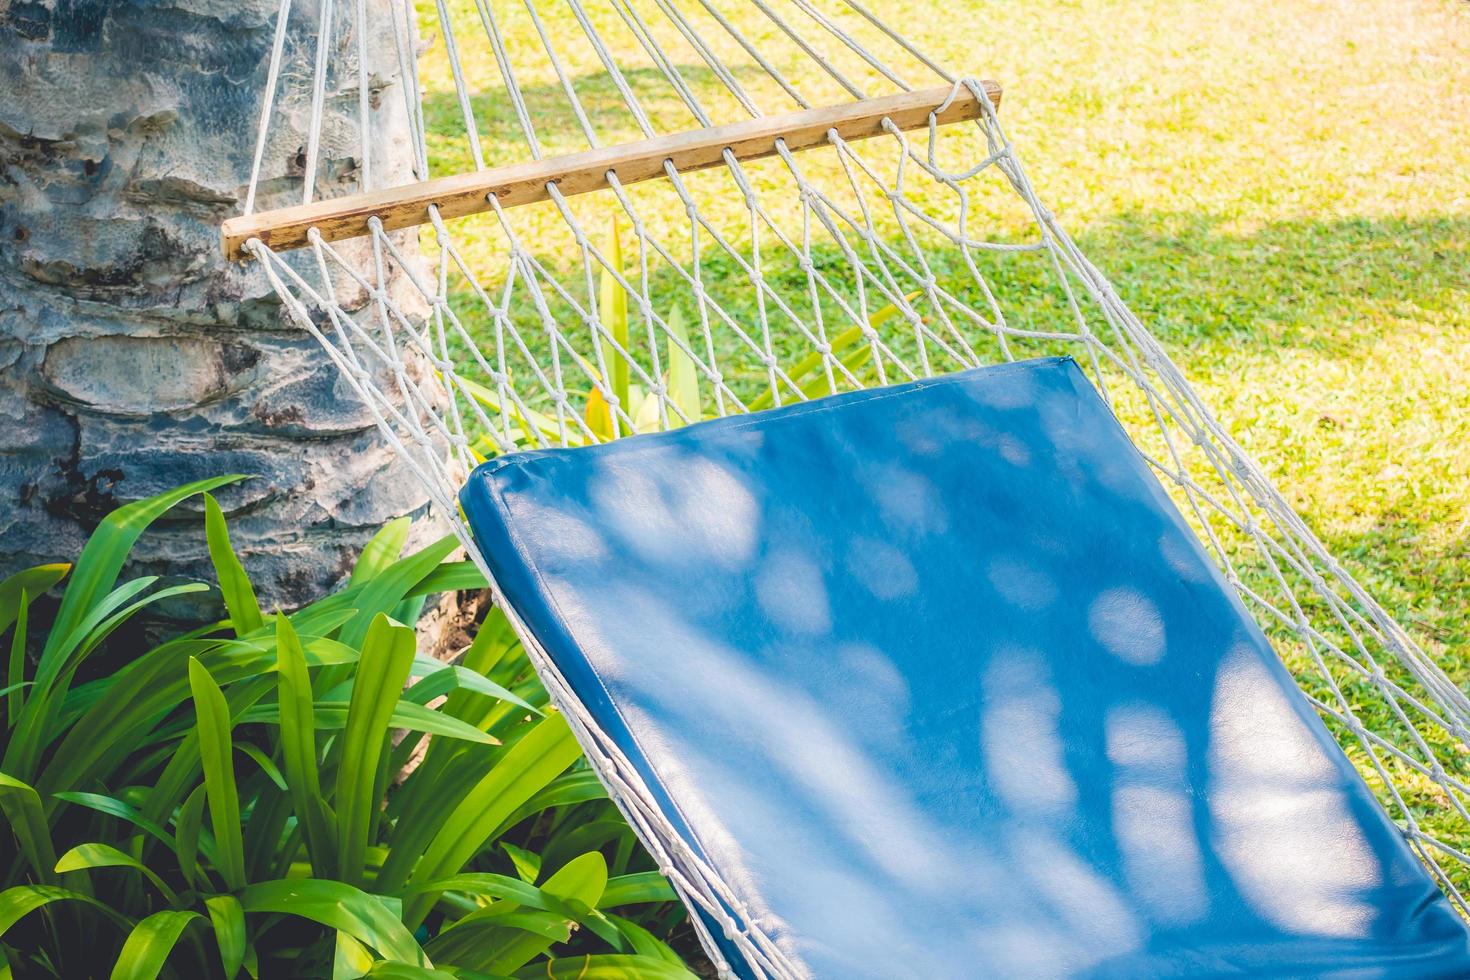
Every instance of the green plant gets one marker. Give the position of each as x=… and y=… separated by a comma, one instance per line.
x=228, y=800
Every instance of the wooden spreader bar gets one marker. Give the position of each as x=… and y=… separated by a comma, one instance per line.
x=578, y=173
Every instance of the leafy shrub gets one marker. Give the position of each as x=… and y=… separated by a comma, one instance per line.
x=226, y=800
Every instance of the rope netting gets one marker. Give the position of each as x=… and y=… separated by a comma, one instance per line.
x=649, y=306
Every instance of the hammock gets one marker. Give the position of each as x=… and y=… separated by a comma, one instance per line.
x=667, y=213
x=936, y=682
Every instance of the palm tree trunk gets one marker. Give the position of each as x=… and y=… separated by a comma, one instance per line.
x=132, y=356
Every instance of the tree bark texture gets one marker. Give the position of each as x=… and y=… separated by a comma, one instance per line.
x=133, y=358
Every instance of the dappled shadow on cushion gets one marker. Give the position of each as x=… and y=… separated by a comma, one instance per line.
x=941, y=683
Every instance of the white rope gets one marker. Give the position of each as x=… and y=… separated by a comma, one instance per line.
x=507, y=73
x=461, y=88
x=561, y=74
x=456, y=360
x=364, y=102
x=272, y=78
x=318, y=99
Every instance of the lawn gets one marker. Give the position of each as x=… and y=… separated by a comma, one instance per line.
x=1280, y=191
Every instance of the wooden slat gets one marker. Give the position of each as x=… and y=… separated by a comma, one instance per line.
x=578, y=173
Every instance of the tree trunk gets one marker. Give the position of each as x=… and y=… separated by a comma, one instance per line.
x=133, y=358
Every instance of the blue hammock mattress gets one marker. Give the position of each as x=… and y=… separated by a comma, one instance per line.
x=941, y=683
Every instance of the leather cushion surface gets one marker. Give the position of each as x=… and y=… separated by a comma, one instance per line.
x=939, y=680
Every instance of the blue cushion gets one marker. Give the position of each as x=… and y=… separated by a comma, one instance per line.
x=939, y=680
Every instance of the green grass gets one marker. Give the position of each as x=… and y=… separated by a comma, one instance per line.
x=1280, y=191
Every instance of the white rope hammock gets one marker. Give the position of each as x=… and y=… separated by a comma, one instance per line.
x=854, y=264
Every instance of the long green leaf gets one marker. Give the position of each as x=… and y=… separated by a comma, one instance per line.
x=381, y=551
x=637, y=889
x=298, y=745
x=15, y=676
x=512, y=892
x=212, y=722
x=97, y=855
x=583, y=836
x=16, y=594
x=94, y=637
x=184, y=765
x=150, y=942
x=610, y=966
x=234, y=584
x=579, y=881
x=495, y=643
x=37, y=726
x=809, y=373
x=9, y=687
x=387, y=656
x=31, y=582
x=527, y=863
x=388, y=587
x=33, y=729
x=573, y=787
x=18, y=902
x=613, y=309
x=190, y=822
x=810, y=366
x=269, y=844
x=350, y=958
x=475, y=939
x=339, y=906
x=22, y=808
x=267, y=767
x=645, y=943
x=535, y=427
x=136, y=697
x=525, y=769
x=451, y=576
x=325, y=616
x=103, y=556
x=332, y=715
x=114, y=807
x=50, y=668
x=495, y=649
x=854, y=361
x=389, y=970
x=228, y=918
x=426, y=800
x=683, y=371
x=487, y=884
x=442, y=679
